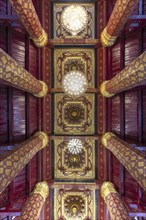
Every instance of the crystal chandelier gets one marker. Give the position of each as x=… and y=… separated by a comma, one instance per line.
x=75, y=83
x=74, y=19
x=75, y=146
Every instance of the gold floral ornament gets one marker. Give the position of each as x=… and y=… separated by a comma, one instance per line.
x=74, y=19
x=75, y=83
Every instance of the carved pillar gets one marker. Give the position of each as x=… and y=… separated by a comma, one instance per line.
x=114, y=204
x=13, y=74
x=132, y=159
x=133, y=75
x=15, y=160
x=30, y=20
x=118, y=18
x=35, y=202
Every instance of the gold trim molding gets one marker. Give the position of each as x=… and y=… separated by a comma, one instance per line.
x=42, y=188
x=106, y=39
x=44, y=90
x=106, y=137
x=103, y=90
x=106, y=189
x=42, y=40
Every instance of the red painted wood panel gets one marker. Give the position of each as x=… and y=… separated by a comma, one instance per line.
x=131, y=46
x=131, y=187
x=19, y=115
x=3, y=7
x=131, y=115
x=34, y=171
x=3, y=37
x=144, y=115
x=116, y=62
x=3, y=116
x=144, y=39
x=33, y=60
x=115, y=114
x=18, y=47
x=116, y=172
x=33, y=114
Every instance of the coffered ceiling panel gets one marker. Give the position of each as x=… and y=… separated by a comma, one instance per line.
x=70, y=166
x=61, y=32
x=69, y=59
x=74, y=116
x=75, y=202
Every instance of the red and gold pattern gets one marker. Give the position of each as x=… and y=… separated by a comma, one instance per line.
x=132, y=159
x=13, y=74
x=133, y=75
x=114, y=204
x=119, y=16
x=15, y=160
x=30, y=20
x=34, y=204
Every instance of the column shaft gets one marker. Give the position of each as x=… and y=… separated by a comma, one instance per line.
x=15, y=160
x=30, y=20
x=35, y=202
x=118, y=18
x=114, y=203
x=133, y=75
x=13, y=74
x=132, y=159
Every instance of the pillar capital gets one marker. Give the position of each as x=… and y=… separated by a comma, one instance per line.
x=114, y=203
x=15, y=75
x=15, y=160
x=42, y=40
x=106, y=189
x=121, y=11
x=106, y=39
x=131, y=76
x=43, y=136
x=103, y=90
x=42, y=189
x=105, y=137
x=29, y=18
x=44, y=90
x=132, y=159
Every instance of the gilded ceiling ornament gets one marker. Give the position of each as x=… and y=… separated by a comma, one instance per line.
x=75, y=83
x=74, y=19
x=75, y=146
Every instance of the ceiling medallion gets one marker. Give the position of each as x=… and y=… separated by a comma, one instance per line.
x=75, y=146
x=74, y=19
x=75, y=83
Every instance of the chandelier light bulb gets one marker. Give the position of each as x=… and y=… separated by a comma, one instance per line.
x=74, y=19
x=75, y=146
x=75, y=83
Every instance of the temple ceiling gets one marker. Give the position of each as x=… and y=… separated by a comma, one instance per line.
x=75, y=170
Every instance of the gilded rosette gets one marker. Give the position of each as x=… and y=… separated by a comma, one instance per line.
x=44, y=137
x=106, y=189
x=42, y=188
x=103, y=90
x=42, y=40
x=44, y=90
x=106, y=39
x=105, y=137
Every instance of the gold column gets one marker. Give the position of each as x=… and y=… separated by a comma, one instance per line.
x=133, y=75
x=30, y=20
x=14, y=75
x=114, y=204
x=35, y=202
x=132, y=159
x=15, y=160
x=118, y=18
